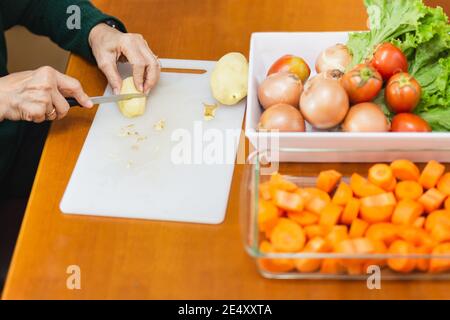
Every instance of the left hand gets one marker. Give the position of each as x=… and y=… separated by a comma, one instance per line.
x=109, y=45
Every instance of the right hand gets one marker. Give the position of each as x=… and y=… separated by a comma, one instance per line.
x=39, y=95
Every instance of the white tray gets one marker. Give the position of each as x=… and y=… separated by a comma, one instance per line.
x=265, y=48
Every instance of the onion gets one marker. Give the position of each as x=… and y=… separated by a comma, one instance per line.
x=336, y=57
x=324, y=103
x=366, y=117
x=331, y=74
x=282, y=117
x=280, y=88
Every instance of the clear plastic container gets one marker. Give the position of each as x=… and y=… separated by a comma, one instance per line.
x=328, y=265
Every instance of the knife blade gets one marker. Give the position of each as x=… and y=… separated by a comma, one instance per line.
x=107, y=99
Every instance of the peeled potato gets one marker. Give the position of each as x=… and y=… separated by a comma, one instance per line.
x=133, y=107
x=229, y=79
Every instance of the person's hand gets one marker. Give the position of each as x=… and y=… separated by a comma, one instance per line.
x=110, y=45
x=39, y=95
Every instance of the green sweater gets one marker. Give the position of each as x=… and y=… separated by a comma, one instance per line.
x=49, y=18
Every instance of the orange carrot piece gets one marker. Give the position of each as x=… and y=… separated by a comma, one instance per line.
x=437, y=217
x=316, y=230
x=269, y=228
x=362, y=187
x=343, y=194
x=358, y=228
x=403, y=265
x=288, y=201
x=423, y=265
x=441, y=233
x=380, y=248
x=264, y=191
x=378, y=208
x=274, y=265
x=304, y=218
x=351, y=247
x=385, y=232
x=447, y=204
x=405, y=170
x=408, y=189
x=391, y=187
x=309, y=193
x=406, y=212
x=336, y=235
x=440, y=264
x=331, y=266
x=327, y=180
x=277, y=181
x=267, y=215
x=432, y=200
x=419, y=222
x=330, y=215
x=415, y=236
x=316, y=205
x=315, y=245
x=381, y=175
x=444, y=184
x=351, y=211
x=431, y=174
x=287, y=236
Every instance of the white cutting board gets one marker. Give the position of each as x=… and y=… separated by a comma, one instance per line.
x=116, y=176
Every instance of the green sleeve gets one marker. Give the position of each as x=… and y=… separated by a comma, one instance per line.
x=50, y=17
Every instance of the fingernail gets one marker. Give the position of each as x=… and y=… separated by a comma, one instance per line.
x=141, y=88
x=90, y=104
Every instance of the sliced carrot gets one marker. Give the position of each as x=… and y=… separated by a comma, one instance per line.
x=316, y=231
x=358, y=228
x=264, y=191
x=441, y=233
x=328, y=180
x=419, y=222
x=277, y=181
x=444, y=184
x=391, y=187
x=304, y=218
x=351, y=247
x=331, y=266
x=315, y=245
x=405, y=170
x=437, y=217
x=287, y=236
x=406, y=212
x=378, y=208
x=438, y=264
x=336, y=235
x=431, y=174
x=415, y=236
x=408, y=189
x=288, y=201
x=403, y=265
x=330, y=215
x=315, y=199
x=381, y=175
x=274, y=265
x=316, y=205
x=343, y=194
x=385, y=232
x=269, y=228
x=363, y=188
x=432, y=200
x=318, y=193
x=380, y=248
x=351, y=211
x=267, y=215
x=423, y=264
x=447, y=204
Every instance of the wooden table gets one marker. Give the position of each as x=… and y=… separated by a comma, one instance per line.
x=146, y=259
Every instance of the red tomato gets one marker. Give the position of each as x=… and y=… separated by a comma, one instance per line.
x=403, y=93
x=362, y=84
x=291, y=64
x=408, y=122
x=389, y=60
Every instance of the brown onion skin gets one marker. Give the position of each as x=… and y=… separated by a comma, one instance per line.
x=280, y=88
x=324, y=103
x=282, y=117
x=335, y=57
x=366, y=117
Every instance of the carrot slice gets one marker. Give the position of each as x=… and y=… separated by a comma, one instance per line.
x=331, y=266
x=343, y=194
x=447, y=204
x=363, y=188
x=385, y=232
x=441, y=233
x=358, y=228
x=408, y=190
x=381, y=175
x=277, y=181
x=432, y=200
x=316, y=231
x=437, y=217
x=274, y=265
x=378, y=208
x=336, y=235
x=315, y=245
x=351, y=211
x=405, y=170
x=287, y=236
x=415, y=236
x=419, y=222
x=444, y=184
x=304, y=218
x=355, y=246
x=328, y=180
x=288, y=201
x=264, y=191
x=380, y=248
x=406, y=212
x=330, y=215
x=316, y=205
x=431, y=174
x=391, y=187
x=269, y=228
x=309, y=193
x=403, y=265
x=438, y=264
x=423, y=264
x=267, y=215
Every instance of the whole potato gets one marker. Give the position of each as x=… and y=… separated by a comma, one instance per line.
x=229, y=79
x=133, y=107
